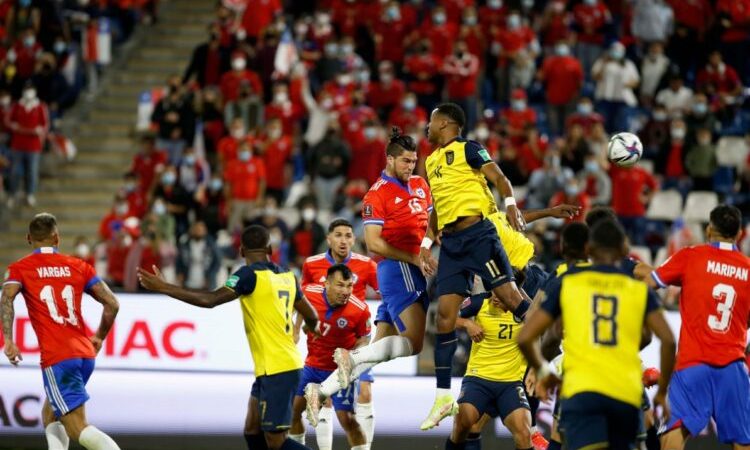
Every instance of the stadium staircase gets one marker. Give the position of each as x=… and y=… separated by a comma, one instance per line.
x=81, y=192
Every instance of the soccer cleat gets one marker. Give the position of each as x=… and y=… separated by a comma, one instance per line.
x=538, y=441
x=344, y=362
x=444, y=406
x=312, y=397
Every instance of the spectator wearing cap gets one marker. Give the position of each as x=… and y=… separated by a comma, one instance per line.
x=148, y=162
x=209, y=60
x=29, y=124
x=517, y=117
x=258, y=15
x=461, y=70
x=585, y=116
x=328, y=163
x=653, y=21
x=408, y=114
x=276, y=148
x=230, y=81
x=245, y=186
x=386, y=93
x=175, y=119
x=422, y=70
x=635, y=188
x=615, y=77
x=676, y=98
x=368, y=158
x=653, y=68
x=562, y=75
x=590, y=21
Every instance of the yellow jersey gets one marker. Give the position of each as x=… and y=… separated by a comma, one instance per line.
x=517, y=246
x=458, y=187
x=267, y=296
x=564, y=267
x=496, y=357
x=603, y=310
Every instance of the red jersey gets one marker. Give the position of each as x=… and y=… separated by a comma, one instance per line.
x=52, y=285
x=340, y=327
x=402, y=210
x=315, y=268
x=714, y=304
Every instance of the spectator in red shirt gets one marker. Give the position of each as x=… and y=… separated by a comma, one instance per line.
x=226, y=149
x=518, y=117
x=585, y=116
x=461, y=70
x=276, y=149
x=25, y=51
x=572, y=195
x=245, y=187
x=471, y=32
x=368, y=159
x=633, y=190
x=136, y=198
x=590, y=20
x=282, y=108
x=719, y=79
x=308, y=235
x=82, y=251
x=230, y=81
x=387, y=92
x=390, y=30
x=515, y=47
x=423, y=72
x=671, y=157
x=408, y=114
x=440, y=32
x=531, y=153
x=29, y=124
x=115, y=218
x=258, y=15
x=563, y=77
x=555, y=23
x=148, y=162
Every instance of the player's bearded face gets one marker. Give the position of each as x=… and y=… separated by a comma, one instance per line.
x=339, y=290
x=403, y=165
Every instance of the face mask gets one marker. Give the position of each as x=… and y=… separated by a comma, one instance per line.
x=160, y=209
x=409, y=104
x=482, y=133
x=270, y=211
x=347, y=49
x=704, y=140
x=660, y=116
x=82, y=250
x=527, y=4
x=677, y=133
x=168, y=178
x=121, y=209
x=386, y=77
x=29, y=41
x=280, y=97
x=129, y=186
x=327, y=103
x=5, y=100
x=554, y=162
x=331, y=49
x=571, y=191
x=562, y=50
x=274, y=133
x=700, y=108
x=189, y=160
x=518, y=105
x=215, y=184
x=308, y=214
x=24, y=3
x=584, y=108
x=514, y=21
x=29, y=94
x=590, y=2
x=301, y=30
x=344, y=80
x=363, y=77
x=617, y=53
x=438, y=19
x=324, y=19
x=238, y=133
x=591, y=166
x=393, y=13
x=60, y=47
x=370, y=133
x=244, y=156
x=495, y=4
x=274, y=240
x=470, y=20
x=239, y=64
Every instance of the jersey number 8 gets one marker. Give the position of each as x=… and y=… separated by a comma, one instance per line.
x=605, y=320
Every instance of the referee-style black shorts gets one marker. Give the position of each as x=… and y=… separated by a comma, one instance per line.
x=592, y=419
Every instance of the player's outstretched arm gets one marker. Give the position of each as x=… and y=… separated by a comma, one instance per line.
x=658, y=324
x=102, y=294
x=492, y=172
x=8, y=313
x=563, y=211
x=197, y=297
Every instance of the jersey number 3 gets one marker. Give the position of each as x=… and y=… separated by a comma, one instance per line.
x=48, y=296
x=725, y=295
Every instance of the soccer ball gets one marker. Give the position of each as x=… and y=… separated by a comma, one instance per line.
x=624, y=149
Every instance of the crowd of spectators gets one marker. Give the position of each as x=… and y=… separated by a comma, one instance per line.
x=48, y=55
x=544, y=84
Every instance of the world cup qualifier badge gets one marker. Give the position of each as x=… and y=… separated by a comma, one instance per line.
x=368, y=211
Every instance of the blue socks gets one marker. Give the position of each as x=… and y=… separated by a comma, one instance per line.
x=290, y=444
x=256, y=441
x=445, y=347
x=450, y=445
x=554, y=445
x=473, y=442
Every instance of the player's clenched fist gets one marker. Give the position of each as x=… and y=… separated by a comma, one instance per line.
x=12, y=352
x=427, y=262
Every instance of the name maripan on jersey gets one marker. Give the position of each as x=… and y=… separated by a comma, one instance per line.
x=726, y=270
x=53, y=272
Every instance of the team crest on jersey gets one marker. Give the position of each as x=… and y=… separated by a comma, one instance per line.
x=342, y=322
x=420, y=193
x=368, y=211
x=449, y=157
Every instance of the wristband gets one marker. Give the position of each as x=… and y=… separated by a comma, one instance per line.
x=510, y=201
x=426, y=243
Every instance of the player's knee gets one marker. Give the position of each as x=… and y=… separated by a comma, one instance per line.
x=365, y=395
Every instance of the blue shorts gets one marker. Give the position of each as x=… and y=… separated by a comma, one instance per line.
x=275, y=394
x=401, y=285
x=367, y=376
x=475, y=250
x=343, y=400
x=700, y=392
x=535, y=279
x=494, y=398
x=65, y=384
x=592, y=419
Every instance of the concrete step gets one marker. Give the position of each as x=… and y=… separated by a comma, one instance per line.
x=96, y=171
x=180, y=54
x=71, y=185
x=93, y=197
x=112, y=117
x=158, y=64
x=124, y=104
x=120, y=159
x=91, y=129
x=145, y=80
x=121, y=88
x=115, y=143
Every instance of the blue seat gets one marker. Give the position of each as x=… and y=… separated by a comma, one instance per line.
x=724, y=180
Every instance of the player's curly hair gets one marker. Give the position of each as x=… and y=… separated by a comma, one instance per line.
x=399, y=143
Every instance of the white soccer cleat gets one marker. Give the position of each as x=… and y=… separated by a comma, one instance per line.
x=312, y=397
x=444, y=406
x=344, y=362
